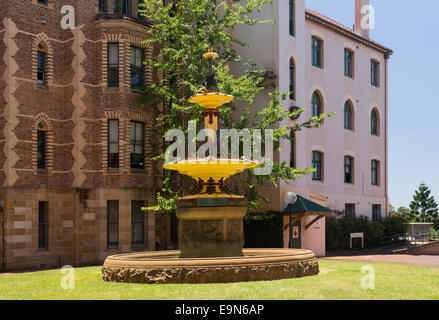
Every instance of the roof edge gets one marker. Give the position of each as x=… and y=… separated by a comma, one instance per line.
x=347, y=32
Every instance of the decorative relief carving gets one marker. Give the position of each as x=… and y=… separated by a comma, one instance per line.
x=205, y=274
x=189, y=231
x=212, y=230
x=234, y=230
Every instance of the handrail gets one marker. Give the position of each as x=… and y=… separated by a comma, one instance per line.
x=411, y=238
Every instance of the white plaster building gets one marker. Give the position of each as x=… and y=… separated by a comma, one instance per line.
x=335, y=69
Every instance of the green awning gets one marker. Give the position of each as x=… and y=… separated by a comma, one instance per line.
x=304, y=206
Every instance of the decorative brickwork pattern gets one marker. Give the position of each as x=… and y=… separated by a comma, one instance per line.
x=11, y=107
x=80, y=108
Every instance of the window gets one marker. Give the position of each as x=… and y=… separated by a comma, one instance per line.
x=122, y=7
x=137, y=68
x=112, y=222
x=292, y=18
x=293, y=150
x=375, y=168
x=376, y=212
x=41, y=147
x=348, y=63
x=42, y=1
x=374, y=123
x=317, y=52
x=137, y=145
x=348, y=116
x=41, y=66
x=102, y=7
x=316, y=105
x=137, y=222
x=113, y=65
x=348, y=169
x=349, y=209
x=292, y=80
x=374, y=72
x=113, y=143
x=43, y=225
x=317, y=160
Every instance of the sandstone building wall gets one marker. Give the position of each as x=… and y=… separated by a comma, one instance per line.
x=74, y=106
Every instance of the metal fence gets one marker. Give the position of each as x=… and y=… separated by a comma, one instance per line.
x=410, y=238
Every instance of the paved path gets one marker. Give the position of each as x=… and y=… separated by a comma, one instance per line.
x=393, y=258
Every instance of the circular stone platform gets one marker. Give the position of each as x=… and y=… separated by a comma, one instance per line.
x=167, y=267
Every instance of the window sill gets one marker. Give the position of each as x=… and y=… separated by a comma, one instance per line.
x=135, y=90
x=349, y=131
x=317, y=182
x=42, y=86
x=317, y=67
x=137, y=171
x=42, y=171
x=111, y=89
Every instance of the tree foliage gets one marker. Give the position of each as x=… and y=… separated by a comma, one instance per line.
x=181, y=32
x=424, y=208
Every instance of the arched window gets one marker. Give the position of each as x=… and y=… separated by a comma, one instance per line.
x=316, y=102
x=292, y=80
x=293, y=149
x=41, y=146
x=317, y=164
x=348, y=169
x=374, y=122
x=348, y=116
x=41, y=64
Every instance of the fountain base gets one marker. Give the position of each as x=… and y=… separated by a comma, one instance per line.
x=168, y=267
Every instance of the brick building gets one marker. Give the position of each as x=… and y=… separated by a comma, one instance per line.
x=74, y=165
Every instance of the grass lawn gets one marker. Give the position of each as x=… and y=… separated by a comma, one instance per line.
x=337, y=280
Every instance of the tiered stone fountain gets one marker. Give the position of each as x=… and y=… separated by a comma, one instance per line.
x=210, y=227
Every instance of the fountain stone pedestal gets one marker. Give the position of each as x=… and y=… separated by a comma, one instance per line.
x=211, y=227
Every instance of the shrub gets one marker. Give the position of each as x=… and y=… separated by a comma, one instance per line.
x=338, y=230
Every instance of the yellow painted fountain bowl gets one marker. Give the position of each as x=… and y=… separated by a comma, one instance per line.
x=207, y=169
x=211, y=100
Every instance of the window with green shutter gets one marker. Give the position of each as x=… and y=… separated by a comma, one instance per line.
x=374, y=73
x=317, y=52
x=348, y=63
x=292, y=17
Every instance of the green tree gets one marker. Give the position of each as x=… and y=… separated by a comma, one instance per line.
x=424, y=208
x=181, y=32
x=400, y=212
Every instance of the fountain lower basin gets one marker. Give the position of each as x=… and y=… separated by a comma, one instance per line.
x=168, y=267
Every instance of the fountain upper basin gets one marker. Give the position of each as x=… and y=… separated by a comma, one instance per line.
x=205, y=169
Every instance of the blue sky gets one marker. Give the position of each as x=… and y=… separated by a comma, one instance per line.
x=407, y=27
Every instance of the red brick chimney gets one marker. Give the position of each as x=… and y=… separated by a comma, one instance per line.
x=361, y=15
